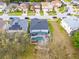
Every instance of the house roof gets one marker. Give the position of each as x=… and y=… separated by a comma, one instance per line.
x=18, y=24
x=72, y=22
x=39, y=24
x=1, y=3
x=56, y=3
x=76, y=0
x=46, y=4
x=36, y=4
x=24, y=5
x=13, y=4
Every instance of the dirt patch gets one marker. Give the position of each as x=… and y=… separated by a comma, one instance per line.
x=61, y=46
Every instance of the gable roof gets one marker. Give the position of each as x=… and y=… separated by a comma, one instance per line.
x=24, y=5
x=36, y=4
x=38, y=24
x=46, y=5
x=18, y=24
x=56, y=3
x=1, y=3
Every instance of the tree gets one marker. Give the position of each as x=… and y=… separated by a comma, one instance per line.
x=75, y=38
x=35, y=0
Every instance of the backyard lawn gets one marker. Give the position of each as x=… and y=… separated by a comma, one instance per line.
x=67, y=0
x=41, y=13
x=29, y=54
x=53, y=12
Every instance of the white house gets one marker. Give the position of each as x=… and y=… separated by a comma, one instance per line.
x=70, y=24
x=56, y=3
x=13, y=7
x=37, y=6
x=46, y=6
x=2, y=6
x=24, y=7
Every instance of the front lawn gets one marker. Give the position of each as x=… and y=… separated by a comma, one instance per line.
x=67, y=0
x=19, y=13
x=30, y=13
x=74, y=15
x=62, y=9
x=53, y=12
x=1, y=13
x=41, y=13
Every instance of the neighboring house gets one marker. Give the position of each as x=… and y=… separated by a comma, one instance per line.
x=39, y=31
x=46, y=7
x=13, y=7
x=66, y=1
x=2, y=6
x=17, y=25
x=24, y=6
x=75, y=9
x=2, y=25
x=70, y=24
x=75, y=1
x=37, y=7
x=56, y=3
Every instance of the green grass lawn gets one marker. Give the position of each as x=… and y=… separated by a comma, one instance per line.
x=60, y=27
x=74, y=15
x=30, y=13
x=67, y=0
x=41, y=13
x=50, y=26
x=1, y=13
x=52, y=12
x=16, y=13
x=62, y=9
x=58, y=20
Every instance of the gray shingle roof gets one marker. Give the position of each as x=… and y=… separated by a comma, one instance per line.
x=18, y=24
x=39, y=24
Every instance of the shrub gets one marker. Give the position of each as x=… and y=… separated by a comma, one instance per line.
x=75, y=38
